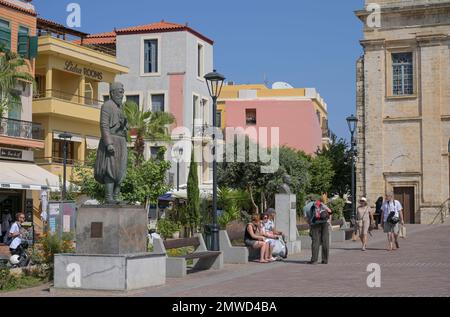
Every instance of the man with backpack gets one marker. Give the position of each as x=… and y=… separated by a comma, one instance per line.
x=318, y=214
x=391, y=217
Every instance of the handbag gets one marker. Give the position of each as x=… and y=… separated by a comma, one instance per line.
x=402, y=233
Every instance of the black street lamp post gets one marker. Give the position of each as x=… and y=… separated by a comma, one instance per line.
x=65, y=136
x=214, y=81
x=179, y=158
x=352, y=123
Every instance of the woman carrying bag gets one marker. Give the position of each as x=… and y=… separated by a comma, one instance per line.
x=364, y=221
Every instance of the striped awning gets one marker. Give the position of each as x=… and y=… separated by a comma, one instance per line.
x=17, y=175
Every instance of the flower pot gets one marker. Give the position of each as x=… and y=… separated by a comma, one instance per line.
x=176, y=235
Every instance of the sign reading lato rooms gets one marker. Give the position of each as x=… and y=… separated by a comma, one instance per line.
x=81, y=70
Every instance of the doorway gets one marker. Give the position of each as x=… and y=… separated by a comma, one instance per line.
x=406, y=196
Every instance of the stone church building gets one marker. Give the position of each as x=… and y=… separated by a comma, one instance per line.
x=403, y=105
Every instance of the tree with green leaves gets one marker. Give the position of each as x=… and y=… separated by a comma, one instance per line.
x=248, y=176
x=144, y=183
x=322, y=174
x=150, y=126
x=193, y=196
x=341, y=159
x=10, y=75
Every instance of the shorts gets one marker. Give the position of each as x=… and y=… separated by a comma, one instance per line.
x=271, y=242
x=251, y=243
x=390, y=228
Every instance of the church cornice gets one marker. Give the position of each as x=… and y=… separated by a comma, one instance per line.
x=411, y=9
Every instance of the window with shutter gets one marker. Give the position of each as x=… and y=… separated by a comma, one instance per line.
x=5, y=34
x=22, y=42
x=33, y=47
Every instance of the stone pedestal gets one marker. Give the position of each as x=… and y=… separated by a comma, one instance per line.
x=286, y=221
x=111, y=230
x=109, y=272
x=111, y=252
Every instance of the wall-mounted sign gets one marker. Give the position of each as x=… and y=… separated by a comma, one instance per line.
x=81, y=70
x=9, y=153
x=16, y=155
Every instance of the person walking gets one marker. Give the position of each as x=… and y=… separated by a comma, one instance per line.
x=392, y=215
x=318, y=215
x=364, y=217
x=378, y=211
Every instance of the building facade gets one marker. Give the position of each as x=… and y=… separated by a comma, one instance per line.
x=403, y=90
x=67, y=96
x=300, y=114
x=21, y=180
x=167, y=64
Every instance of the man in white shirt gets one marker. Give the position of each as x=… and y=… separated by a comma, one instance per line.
x=16, y=235
x=392, y=210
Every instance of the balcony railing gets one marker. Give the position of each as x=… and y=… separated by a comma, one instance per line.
x=57, y=161
x=82, y=100
x=21, y=129
x=200, y=130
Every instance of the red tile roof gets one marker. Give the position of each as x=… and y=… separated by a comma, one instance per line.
x=161, y=27
x=18, y=8
x=99, y=38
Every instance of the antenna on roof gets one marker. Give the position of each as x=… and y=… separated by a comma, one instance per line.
x=187, y=24
x=162, y=21
x=266, y=80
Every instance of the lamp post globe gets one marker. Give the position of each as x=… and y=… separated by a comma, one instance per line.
x=214, y=81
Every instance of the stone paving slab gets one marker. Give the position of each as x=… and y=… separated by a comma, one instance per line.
x=421, y=267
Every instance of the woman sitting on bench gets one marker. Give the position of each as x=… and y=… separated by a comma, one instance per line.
x=254, y=240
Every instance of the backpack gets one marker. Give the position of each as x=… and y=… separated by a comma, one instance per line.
x=392, y=218
x=9, y=240
x=318, y=214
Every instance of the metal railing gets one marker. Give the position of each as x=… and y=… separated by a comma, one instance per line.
x=67, y=96
x=21, y=129
x=200, y=130
x=56, y=160
x=443, y=212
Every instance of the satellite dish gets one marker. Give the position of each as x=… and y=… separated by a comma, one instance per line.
x=281, y=85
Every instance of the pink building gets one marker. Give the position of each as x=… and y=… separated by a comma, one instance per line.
x=300, y=115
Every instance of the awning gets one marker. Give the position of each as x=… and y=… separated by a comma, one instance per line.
x=75, y=137
x=16, y=175
x=92, y=143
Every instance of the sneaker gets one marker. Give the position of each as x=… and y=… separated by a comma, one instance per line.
x=324, y=262
x=313, y=263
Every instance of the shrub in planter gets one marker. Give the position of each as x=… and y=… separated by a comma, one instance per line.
x=167, y=228
x=337, y=206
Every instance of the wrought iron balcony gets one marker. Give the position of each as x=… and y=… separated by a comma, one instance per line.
x=21, y=129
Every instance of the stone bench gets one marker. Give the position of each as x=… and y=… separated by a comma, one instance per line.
x=203, y=259
x=232, y=254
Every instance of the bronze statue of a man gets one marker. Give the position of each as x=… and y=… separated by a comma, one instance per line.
x=112, y=153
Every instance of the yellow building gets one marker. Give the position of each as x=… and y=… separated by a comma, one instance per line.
x=279, y=92
x=67, y=99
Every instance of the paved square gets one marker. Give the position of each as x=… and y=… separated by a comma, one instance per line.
x=421, y=267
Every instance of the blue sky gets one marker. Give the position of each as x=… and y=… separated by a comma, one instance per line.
x=307, y=43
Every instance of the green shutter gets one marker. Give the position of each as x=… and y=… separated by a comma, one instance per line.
x=22, y=45
x=5, y=38
x=33, y=47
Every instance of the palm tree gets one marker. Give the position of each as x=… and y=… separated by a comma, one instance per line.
x=10, y=74
x=151, y=126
